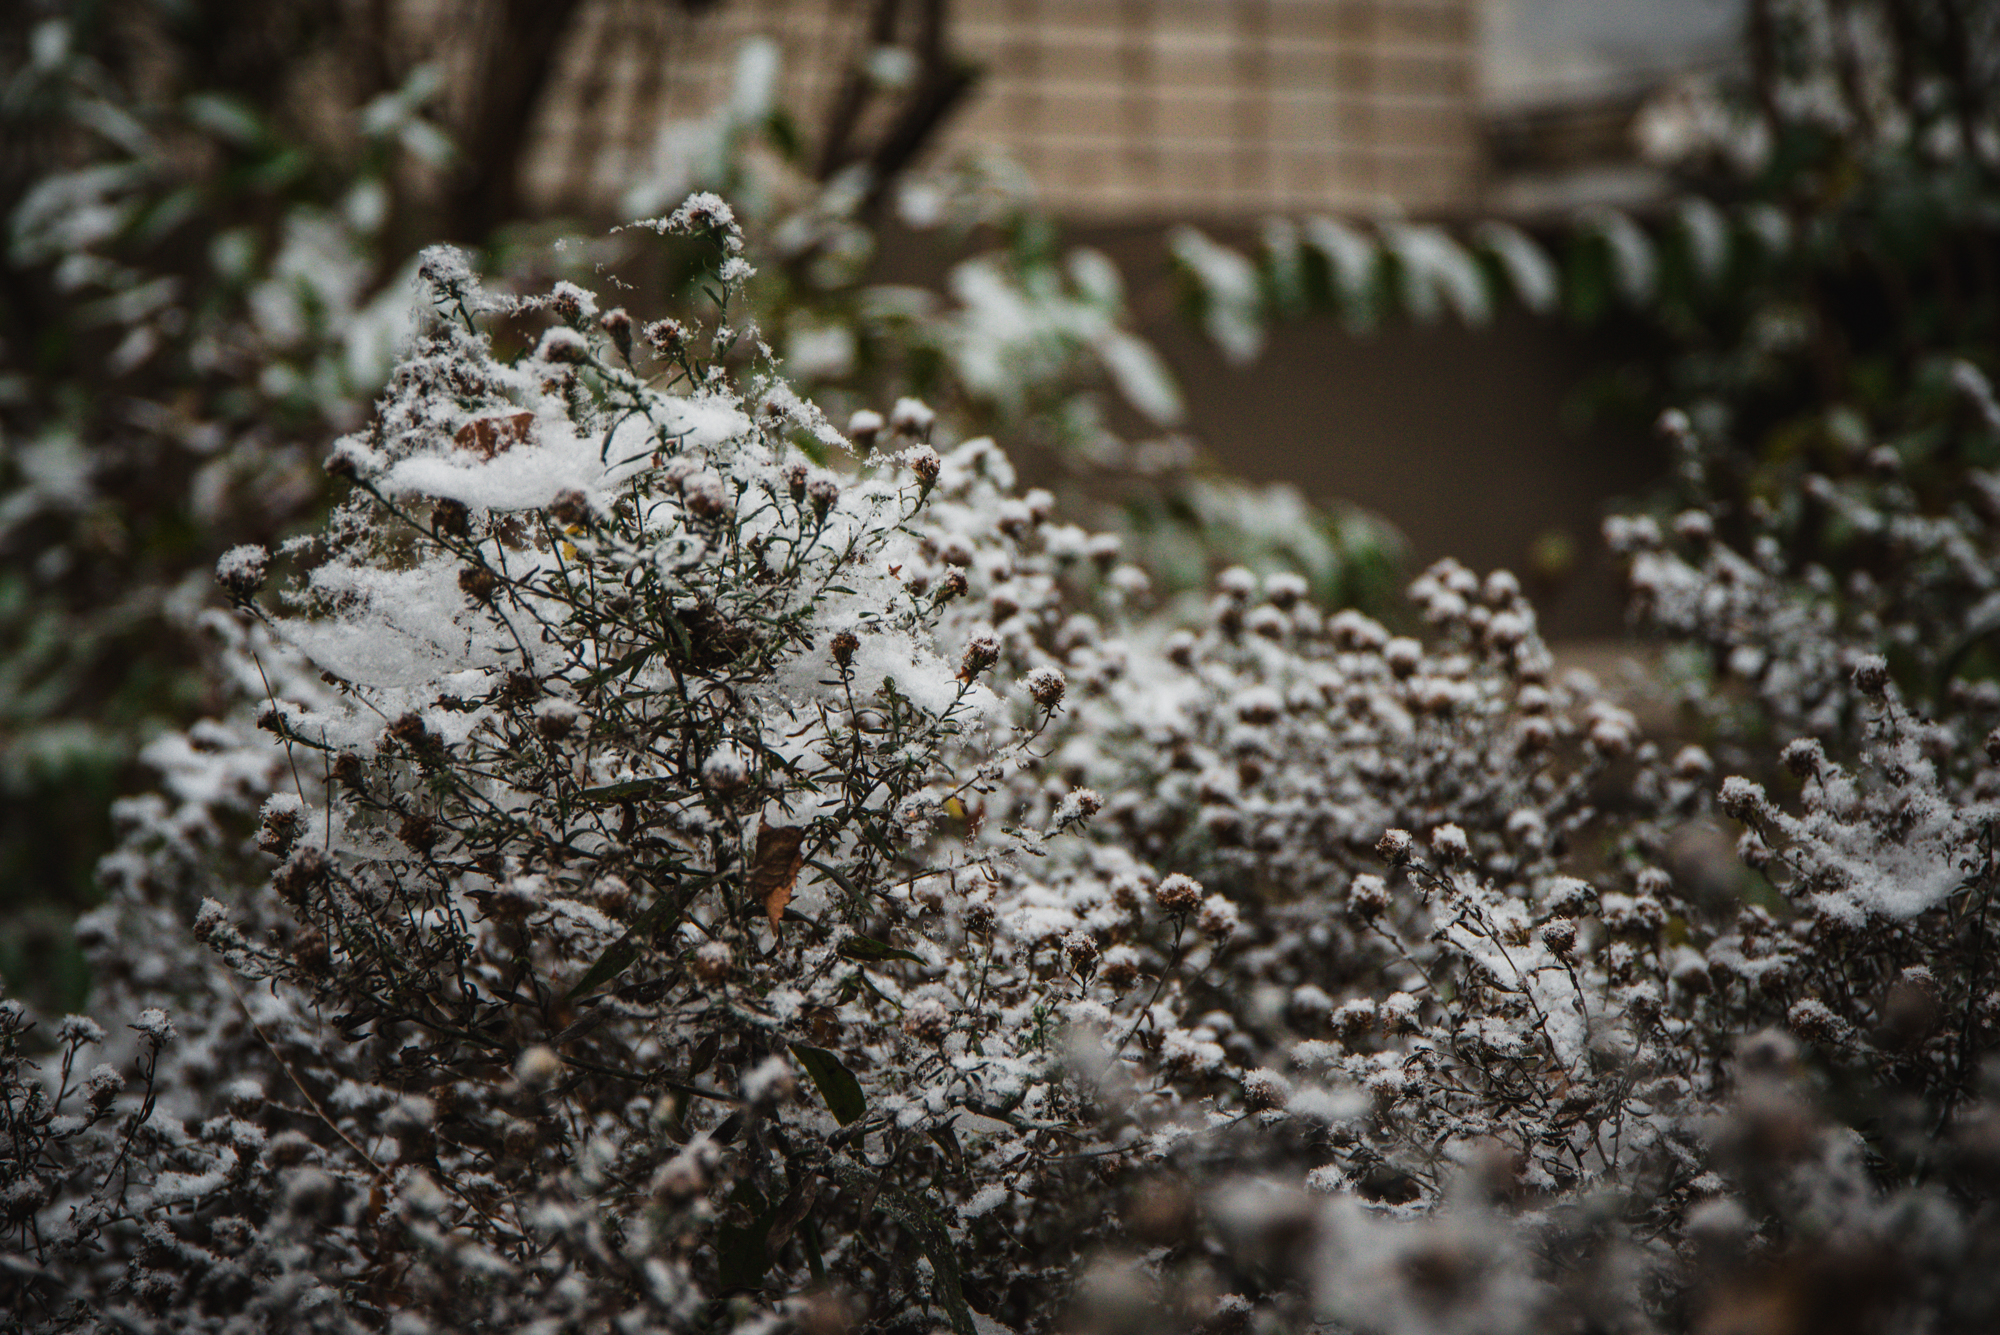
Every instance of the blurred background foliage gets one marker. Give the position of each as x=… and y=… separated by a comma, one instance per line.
x=1823, y=279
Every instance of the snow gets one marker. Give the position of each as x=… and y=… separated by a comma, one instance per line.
x=1349, y=256
x=1707, y=233
x=1437, y=272
x=1228, y=283
x=170, y=1189
x=1141, y=377
x=556, y=458
x=984, y=1201
x=1634, y=267
x=1530, y=271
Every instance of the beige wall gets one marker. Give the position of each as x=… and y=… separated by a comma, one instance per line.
x=1228, y=107
x=1117, y=108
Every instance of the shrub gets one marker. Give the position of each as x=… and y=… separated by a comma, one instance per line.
x=654, y=878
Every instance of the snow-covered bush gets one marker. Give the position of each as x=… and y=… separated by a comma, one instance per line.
x=670, y=864
x=643, y=807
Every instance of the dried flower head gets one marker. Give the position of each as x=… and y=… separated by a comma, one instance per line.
x=913, y=418
x=1871, y=676
x=863, y=427
x=1178, y=893
x=1395, y=847
x=982, y=651
x=241, y=571
x=924, y=462
x=927, y=1021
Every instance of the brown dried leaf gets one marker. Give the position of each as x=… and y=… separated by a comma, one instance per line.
x=488, y=436
x=774, y=869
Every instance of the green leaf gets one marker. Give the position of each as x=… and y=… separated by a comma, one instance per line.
x=618, y=792
x=947, y=1140
x=742, y=1255
x=947, y=1286
x=629, y=663
x=916, y=1212
x=704, y=1055
x=868, y=948
x=679, y=631
x=621, y=954
x=837, y=1084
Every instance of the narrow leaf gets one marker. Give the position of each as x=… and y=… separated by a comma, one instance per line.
x=741, y=1258
x=630, y=662
x=947, y=1140
x=915, y=1211
x=618, y=792
x=704, y=1055
x=868, y=948
x=836, y=1083
x=621, y=954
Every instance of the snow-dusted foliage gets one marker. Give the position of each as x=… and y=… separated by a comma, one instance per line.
x=1877, y=548
x=614, y=740
x=672, y=864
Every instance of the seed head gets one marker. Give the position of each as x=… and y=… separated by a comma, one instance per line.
x=618, y=325
x=1404, y=655
x=570, y=509
x=1741, y=798
x=912, y=418
x=822, y=491
x=982, y=651
x=864, y=427
x=1078, y=804
x=538, y=1067
x=1871, y=676
x=704, y=495
x=1803, y=756
x=713, y=963
x=242, y=570
x=556, y=719
x=418, y=832
x=281, y=823
x=1450, y=843
x=1178, y=893
x=1570, y=897
x=726, y=770
x=1285, y=589
x=1395, y=847
x=478, y=583
x=1368, y=896
x=1218, y=919
x=927, y=1021
x=669, y=338
x=563, y=346
x=924, y=462
x=1046, y=685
